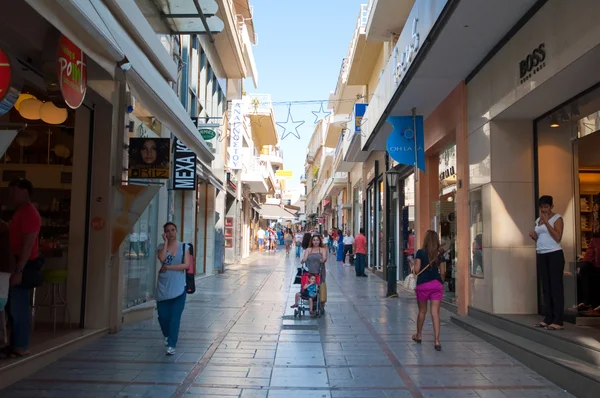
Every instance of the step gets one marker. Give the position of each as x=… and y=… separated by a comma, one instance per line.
x=46, y=353
x=568, y=372
x=579, y=342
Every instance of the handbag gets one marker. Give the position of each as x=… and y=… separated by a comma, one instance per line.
x=190, y=273
x=32, y=274
x=410, y=282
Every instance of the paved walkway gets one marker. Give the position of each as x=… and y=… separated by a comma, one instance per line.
x=239, y=339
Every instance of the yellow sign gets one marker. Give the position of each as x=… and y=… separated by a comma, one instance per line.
x=283, y=173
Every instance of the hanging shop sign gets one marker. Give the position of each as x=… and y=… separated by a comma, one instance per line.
x=207, y=134
x=284, y=173
x=184, y=167
x=72, y=72
x=9, y=91
x=149, y=158
x=359, y=113
x=236, y=126
x=401, y=142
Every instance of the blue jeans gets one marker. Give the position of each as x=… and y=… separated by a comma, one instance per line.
x=298, y=249
x=359, y=264
x=20, y=317
x=169, y=317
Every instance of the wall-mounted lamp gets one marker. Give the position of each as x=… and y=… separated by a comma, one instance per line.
x=554, y=121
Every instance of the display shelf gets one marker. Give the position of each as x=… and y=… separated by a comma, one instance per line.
x=586, y=201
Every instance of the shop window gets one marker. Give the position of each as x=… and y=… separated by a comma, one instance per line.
x=476, y=233
x=138, y=256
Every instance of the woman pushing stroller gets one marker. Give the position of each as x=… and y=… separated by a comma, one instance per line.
x=309, y=292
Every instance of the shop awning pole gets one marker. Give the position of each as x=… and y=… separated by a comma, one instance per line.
x=416, y=172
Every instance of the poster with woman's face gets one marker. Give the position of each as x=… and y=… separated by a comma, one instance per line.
x=149, y=158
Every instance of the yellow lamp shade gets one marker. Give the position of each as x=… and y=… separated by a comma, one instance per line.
x=30, y=109
x=51, y=114
x=62, y=151
x=23, y=97
x=26, y=138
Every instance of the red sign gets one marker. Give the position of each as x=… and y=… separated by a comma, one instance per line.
x=98, y=223
x=72, y=72
x=5, y=75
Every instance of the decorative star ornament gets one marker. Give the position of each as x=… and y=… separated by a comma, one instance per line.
x=290, y=126
x=320, y=114
x=257, y=120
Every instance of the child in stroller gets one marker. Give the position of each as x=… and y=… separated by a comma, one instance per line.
x=309, y=292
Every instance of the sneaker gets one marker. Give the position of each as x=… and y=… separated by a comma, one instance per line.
x=166, y=341
x=170, y=351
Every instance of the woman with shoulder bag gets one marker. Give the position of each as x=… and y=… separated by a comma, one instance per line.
x=430, y=269
x=171, y=286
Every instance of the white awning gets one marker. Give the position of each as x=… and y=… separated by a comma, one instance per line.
x=146, y=83
x=274, y=212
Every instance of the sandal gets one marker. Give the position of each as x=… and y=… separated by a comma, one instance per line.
x=415, y=339
x=555, y=327
x=294, y=306
x=580, y=307
x=438, y=347
x=540, y=325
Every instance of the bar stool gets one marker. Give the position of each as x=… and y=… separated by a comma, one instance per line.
x=53, y=298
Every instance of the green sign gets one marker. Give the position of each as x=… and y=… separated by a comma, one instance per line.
x=207, y=134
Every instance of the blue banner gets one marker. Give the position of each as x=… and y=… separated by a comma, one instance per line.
x=401, y=142
x=359, y=113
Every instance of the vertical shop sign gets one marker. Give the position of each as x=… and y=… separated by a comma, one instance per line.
x=401, y=142
x=8, y=92
x=235, y=143
x=72, y=72
x=184, y=171
x=359, y=113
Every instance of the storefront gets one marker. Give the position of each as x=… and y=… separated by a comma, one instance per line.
x=374, y=226
x=534, y=134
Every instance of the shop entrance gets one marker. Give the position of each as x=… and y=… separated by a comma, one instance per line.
x=568, y=149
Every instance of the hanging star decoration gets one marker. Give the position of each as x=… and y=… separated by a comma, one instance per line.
x=357, y=123
x=290, y=126
x=320, y=114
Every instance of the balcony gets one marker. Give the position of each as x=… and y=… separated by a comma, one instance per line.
x=275, y=156
x=258, y=174
x=262, y=119
x=363, y=55
x=334, y=128
x=339, y=164
x=234, y=43
x=326, y=159
x=386, y=17
x=303, y=178
x=333, y=186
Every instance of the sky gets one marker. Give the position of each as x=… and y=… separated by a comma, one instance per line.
x=300, y=49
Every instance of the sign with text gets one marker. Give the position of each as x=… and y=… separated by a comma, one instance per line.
x=72, y=72
x=149, y=158
x=401, y=142
x=359, y=113
x=8, y=92
x=236, y=126
x=184, y=167
x=283, y=173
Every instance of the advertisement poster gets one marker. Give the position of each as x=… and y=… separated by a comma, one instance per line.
x=149, y=158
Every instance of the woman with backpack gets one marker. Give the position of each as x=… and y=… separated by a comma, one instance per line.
x=430, y=268
x=171, y=286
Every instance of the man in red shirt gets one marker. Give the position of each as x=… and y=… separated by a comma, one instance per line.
x=360, y=249
x=23, y=233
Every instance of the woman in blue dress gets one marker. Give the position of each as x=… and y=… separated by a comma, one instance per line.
x=340, y=243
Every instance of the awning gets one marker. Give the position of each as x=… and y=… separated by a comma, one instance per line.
x=274, y=212
x=144, y=80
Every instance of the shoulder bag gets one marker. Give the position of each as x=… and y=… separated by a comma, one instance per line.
x=410, y=282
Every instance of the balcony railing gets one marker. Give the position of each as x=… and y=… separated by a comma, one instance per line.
x=260, y=103
x=343, y=76
x=257, y=166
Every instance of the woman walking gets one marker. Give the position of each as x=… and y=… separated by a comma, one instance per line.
x=288, y=238
x=170, y=289
x=315, y=257
x=341, y=256
x=430, y=268
x=550, y=263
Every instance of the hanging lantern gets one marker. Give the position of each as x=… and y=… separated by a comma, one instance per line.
x=26, y=138
x=51, y=114
x=30, y=109
x=23, y=97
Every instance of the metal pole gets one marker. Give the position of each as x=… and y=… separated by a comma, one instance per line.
x=416, y=172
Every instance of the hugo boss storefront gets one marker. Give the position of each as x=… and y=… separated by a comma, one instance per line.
x=533, y=122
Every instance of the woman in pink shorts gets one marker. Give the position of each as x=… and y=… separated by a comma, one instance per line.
x=430, y=268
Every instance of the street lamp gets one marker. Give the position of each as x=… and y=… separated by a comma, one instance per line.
x=392, y=183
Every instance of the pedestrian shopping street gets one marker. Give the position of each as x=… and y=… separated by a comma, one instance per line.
x=239, y=339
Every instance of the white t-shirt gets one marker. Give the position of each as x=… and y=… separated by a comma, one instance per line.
x=261, y=234
x=348, y=240
x=545, y=242
x=134, y=237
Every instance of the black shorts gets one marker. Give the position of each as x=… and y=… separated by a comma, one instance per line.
x=304, y=295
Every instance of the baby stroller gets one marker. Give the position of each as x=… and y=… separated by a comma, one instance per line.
x=304, y=304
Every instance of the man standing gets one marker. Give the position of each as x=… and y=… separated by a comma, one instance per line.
x=360, y=248
x=23, y=230
x=348, y=244
x=261, y=239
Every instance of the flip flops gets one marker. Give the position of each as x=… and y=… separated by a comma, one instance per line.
x=555, y=327
x=540, y=325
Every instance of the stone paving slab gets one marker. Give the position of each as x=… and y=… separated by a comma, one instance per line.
x=239, y=338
